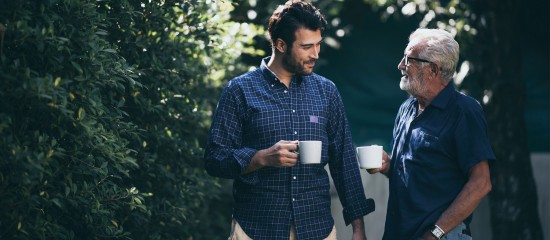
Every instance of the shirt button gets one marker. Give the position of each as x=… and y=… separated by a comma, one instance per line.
x=293, y=199
x=272, y=85
x=293, y=110
x=294, y=177
x=295, y=132
x=286, y=91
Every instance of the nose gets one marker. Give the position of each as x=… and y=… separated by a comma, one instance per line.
x=315, y=52
x=401, y=64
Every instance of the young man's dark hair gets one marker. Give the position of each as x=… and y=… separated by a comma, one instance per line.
x=294, y=14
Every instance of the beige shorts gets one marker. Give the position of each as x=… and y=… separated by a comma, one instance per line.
x=237, y=233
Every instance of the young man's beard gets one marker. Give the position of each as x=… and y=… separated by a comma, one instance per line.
x=292, y=66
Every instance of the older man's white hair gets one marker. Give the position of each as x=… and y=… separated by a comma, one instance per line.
x=438, y=46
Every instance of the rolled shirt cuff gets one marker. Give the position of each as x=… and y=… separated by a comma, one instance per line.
x=358, y=209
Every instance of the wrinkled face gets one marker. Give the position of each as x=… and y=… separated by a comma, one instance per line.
x=301, y=56
x=412, y=80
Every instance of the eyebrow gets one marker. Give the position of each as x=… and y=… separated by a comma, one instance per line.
x=309, y=44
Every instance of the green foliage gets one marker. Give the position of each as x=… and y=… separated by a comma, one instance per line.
x=103, y=108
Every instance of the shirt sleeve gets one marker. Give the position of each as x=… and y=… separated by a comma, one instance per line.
x=225, y=156
x=343, y=165
x=471, y=138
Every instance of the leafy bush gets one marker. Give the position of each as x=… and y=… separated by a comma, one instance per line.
x=103, y=108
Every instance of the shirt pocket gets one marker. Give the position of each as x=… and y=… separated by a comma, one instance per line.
x=423, y=144
x=314, y=127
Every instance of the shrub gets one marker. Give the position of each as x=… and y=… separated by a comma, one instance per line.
x=104, y=106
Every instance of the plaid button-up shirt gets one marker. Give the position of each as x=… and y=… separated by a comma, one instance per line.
x=256, y=111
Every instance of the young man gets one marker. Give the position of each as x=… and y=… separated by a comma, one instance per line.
x=259, y=120
x=438, y=169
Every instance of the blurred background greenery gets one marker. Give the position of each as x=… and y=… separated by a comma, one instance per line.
x=105, y=105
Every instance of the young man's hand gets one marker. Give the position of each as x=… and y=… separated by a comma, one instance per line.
x=281, y=154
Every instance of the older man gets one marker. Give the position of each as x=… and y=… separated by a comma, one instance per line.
x=438, y=169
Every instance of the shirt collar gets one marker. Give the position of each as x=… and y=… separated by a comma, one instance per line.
x=270, y=76
x=441, y=100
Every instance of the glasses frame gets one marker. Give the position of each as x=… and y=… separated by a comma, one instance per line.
x=407, y=58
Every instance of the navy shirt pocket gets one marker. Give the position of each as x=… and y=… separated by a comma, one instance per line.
x=423, y=142
x=315, y=127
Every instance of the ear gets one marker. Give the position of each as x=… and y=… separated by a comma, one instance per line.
x=280, y=45
x=435, y=69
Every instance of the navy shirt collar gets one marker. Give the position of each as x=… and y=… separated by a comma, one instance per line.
x=443, y=98
x=271, y=77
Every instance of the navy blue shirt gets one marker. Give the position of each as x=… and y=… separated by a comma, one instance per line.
x=256, y=111
x=432, y=154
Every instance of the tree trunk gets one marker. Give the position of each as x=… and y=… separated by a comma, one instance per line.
x=513, y=200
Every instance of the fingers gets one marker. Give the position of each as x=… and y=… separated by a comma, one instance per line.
x=288, y=156
x=384, y=167
x=287, y=145
x=385, y=157
x=282, y=154
x=288, y=159
x=291, y=153
x=288, y=162
x=374, y=170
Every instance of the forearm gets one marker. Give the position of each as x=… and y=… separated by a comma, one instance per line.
x=358, y=226
x=463, y=206
x=468, y=199
x=255, y=163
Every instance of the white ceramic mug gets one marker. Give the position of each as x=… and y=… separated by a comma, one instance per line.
x=310, y=151
x=370, y=156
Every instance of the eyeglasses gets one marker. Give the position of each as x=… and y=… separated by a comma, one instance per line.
x=407, y=58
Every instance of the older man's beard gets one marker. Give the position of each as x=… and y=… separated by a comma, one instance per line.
x=414, y=86
x=291, y=65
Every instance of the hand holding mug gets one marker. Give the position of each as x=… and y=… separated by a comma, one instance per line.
x=385, y=165
x=281, y=154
